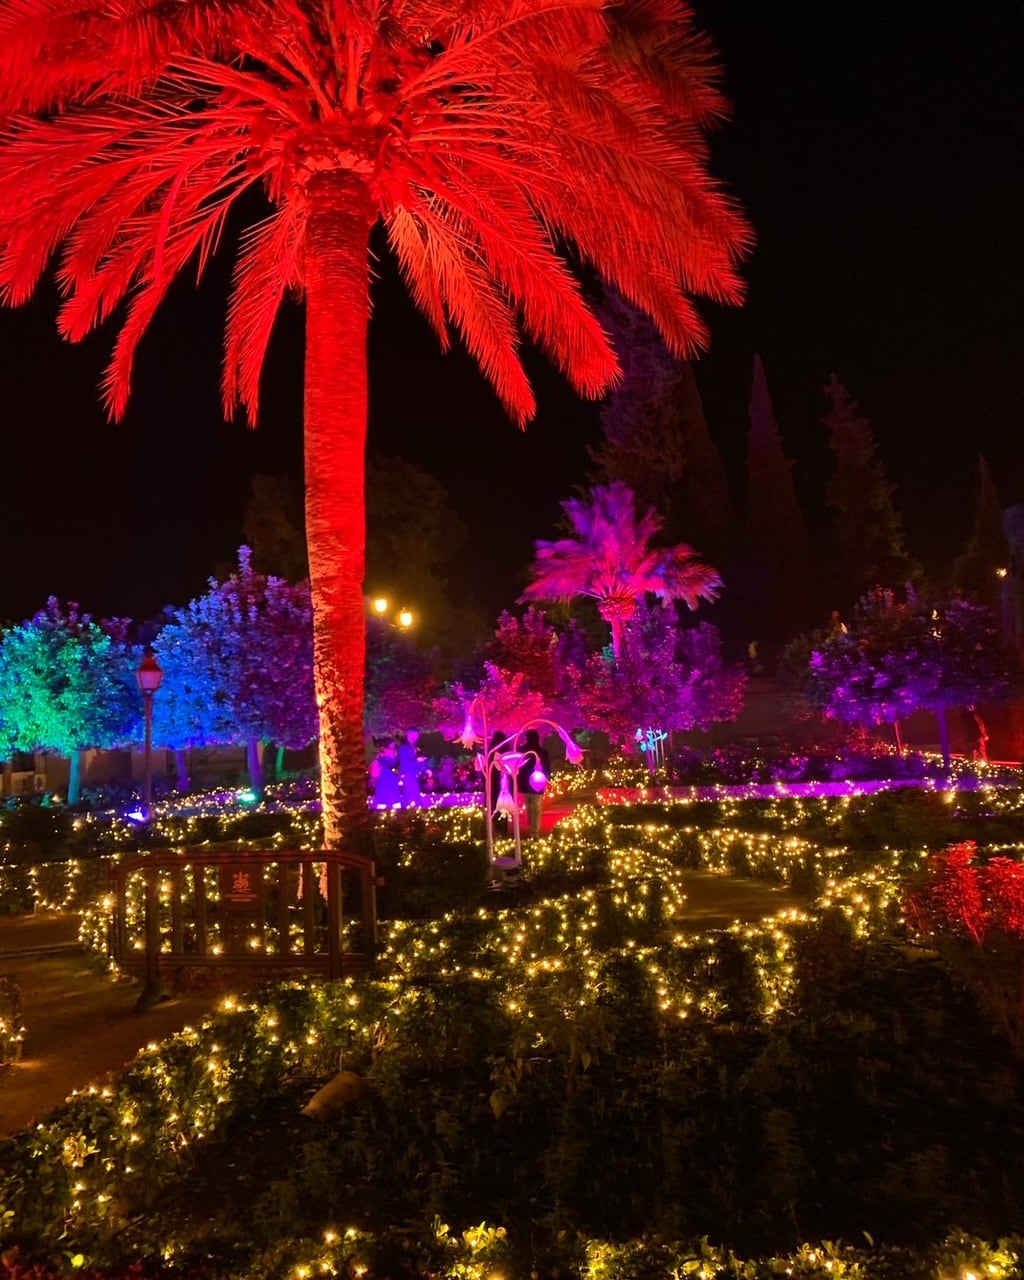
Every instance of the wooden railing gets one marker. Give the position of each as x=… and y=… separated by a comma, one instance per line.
x=265, y=909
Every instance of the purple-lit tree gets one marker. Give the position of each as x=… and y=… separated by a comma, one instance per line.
x=898, y=656
x=664, y=676
x=67, y=684
x=610, y=559
x=238, y=665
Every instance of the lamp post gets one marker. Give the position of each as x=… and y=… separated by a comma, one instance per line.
x=149, y=676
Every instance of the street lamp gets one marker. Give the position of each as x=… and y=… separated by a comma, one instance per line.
x=149, y=675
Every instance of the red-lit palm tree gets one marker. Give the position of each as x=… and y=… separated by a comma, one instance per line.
x=611, y=560
x=493, y=138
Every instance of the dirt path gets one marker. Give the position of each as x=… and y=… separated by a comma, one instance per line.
x=80, y=1024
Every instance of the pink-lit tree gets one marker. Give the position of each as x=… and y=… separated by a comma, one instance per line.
x=486, y=135
x=611, y=560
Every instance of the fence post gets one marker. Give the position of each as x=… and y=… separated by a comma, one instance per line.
x=154, y=991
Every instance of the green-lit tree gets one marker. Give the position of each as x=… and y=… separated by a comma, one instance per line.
x=67, y=684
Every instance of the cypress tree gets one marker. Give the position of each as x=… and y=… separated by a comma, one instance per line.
x=981, y=568
x=869, y=546
x=775, y=581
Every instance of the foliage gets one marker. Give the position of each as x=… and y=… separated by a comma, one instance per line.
x=507, y=697
x=974, y=912
x=12, y=1031
x=67, y=683
x=775, y=577
x=611, y=560
x=656, y=438
x=427, y=877
x=898, y=656
x=413, y=540
x=547, y=659
x=238, y=664
x=272, y=527
x=566, y=1065
x=664, y=675
x=981, y=568
x=401, y=679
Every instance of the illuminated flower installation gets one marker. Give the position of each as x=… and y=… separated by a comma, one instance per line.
x=500, y=754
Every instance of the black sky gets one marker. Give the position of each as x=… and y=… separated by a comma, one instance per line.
x=876, y=148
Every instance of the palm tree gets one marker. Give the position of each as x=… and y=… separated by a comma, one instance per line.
x=493, y=138
x=611, y=560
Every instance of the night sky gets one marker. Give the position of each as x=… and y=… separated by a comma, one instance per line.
x=875, y=147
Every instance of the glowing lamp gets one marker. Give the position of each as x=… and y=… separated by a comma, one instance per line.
x=468, y=735
x=405, y=618
x=538, y=779
x=149, y=674
x=505, y=803
x=380, y=605
x=573, y=752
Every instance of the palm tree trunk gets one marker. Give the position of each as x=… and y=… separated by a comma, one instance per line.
x=337, y=316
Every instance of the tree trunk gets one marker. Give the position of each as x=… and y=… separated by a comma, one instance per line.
x=75, y=778
x=337, y=316
x=181, y=780
x=942, y=715
x=254, y=761
x=279, y=763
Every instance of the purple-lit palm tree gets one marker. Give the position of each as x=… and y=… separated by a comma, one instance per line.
x=489, y=137
x=611, y=560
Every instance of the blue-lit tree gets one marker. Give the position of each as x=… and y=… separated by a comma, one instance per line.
x=238, y=666
x=67, y=684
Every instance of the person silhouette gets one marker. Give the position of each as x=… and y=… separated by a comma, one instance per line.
x=409, y=769
x=384, y=774
x=533, y=777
